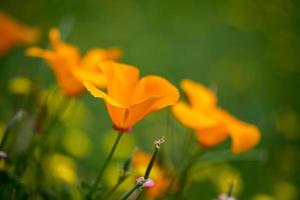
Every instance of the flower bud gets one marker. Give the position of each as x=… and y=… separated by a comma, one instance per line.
x=3, y=154
x=225, y=197
x=148, y=183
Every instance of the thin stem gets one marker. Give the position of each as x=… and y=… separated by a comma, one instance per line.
x=18, y=116
x=151, y=163
x=148, y=170
x=140, y=194
x=109, y=193
x=231, y=187
x=107, y=161
x=140, y=183
x=184, y=175
x=135, y=187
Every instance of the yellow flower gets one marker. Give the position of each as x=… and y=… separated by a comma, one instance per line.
x=13, y=33
x=20, y=85
x=69, y=68
x=63, y=168
x=213, y=124
x=129, y=99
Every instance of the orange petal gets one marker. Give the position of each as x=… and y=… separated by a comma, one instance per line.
x=58, y=64
x=192, y=118
x=199, y=96
x=99, y=94
x=70, y=85
x=92, y=58
x=94, y=77
x=244, y=136
x=139, y=111
x=155, y=86
x=69, y=54
x=113, y=54
x=116, y=111
x=38, y=52
x=209, y=137
x=52, y=58
x=121, y=80
x=13, y=33
x=66, y=80
x=54, y=37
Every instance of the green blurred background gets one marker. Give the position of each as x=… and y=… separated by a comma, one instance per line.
x=248, y=50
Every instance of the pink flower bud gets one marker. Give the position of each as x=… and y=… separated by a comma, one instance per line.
x=225, y=197
x=3, y=154
x=149, y=183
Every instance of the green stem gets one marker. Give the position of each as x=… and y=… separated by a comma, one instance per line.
x=135, y=187
x=151, y=163
x=230, y=190
x=108, y=195
x=140, y=194
x=18, y=116
x=184, y=175
x=107, y=161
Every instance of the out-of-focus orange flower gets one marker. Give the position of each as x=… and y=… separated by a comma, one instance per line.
x=213, y=124
x=13, y=33
x=158, y=174
x=129, y=99
x=70, y=69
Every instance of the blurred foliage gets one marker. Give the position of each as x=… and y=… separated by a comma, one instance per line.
x=247, y=50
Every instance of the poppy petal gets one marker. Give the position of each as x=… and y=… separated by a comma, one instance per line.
x=94, y=77
x=100, y=94
x=139, y=111
x=209, y=137
x=92, y=58
x=38, y=52
x=199, y=96
x=121, y=80
x=155, y=86
x=192, y=118
x=244, y=137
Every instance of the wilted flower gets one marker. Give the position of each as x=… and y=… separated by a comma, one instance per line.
x=69, y=68
x=128, y=98
x=211, y=123
x=13, y=33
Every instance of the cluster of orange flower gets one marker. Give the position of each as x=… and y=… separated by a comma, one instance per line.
x=128, y=97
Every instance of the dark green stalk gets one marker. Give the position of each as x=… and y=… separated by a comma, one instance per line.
x=151, y=163
x=107, y=161
x=135, y=187
x=122, y=177
x=140, y=194
x=18, y=116
x=184, y=175
x=113, y=189
x=231, y=187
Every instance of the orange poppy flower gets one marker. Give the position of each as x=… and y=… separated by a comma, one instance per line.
x=212, y=124
x=159, y=175
x=13, y=33
x=129, y=99
x=69, y=68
